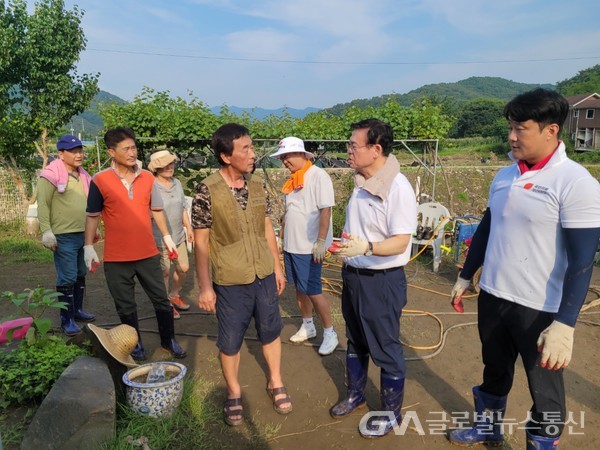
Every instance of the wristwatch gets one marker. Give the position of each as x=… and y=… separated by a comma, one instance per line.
x=369, y=251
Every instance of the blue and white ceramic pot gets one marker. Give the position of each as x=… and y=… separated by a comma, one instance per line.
x=154, y=399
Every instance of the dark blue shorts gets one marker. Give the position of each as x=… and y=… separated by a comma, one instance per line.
x=237, y=305
x=303, y=272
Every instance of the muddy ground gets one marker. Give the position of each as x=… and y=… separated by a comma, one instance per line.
x=439, y=379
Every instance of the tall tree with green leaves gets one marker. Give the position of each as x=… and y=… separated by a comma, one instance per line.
x=481, y=117
x=43, y=90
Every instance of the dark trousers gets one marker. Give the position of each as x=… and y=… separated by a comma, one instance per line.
x=507, y=330
x=120, y=278
x=372, y=304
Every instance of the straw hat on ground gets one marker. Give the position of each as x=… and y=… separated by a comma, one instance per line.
x=119, y=342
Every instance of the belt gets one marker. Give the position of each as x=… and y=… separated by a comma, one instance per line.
x=370, y=272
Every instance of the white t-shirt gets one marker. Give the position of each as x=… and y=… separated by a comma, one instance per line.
x=302, y=213
x=373, y=219
x=525, y=259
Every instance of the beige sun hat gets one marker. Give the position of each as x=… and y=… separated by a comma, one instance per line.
x=119, y=342
x=160, y=159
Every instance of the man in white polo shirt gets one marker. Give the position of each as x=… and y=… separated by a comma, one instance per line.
x=306, y=232
x=536, y=242
x=381, y=217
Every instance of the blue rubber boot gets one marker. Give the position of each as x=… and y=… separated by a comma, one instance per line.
x=535, y=442
x=356, y=376
x=166, y=330
x=392, y=396
x=67, y=316
x=78, y=294
x=138, y=353
x=487, y=428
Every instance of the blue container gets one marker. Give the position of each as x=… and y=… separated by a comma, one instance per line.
x=465, y=229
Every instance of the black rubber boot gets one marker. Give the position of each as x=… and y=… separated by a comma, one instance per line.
x=67, y=316
x=356, y=377
x=138, y=352
x=78, y=294
x=166, y=329
x=392, y=396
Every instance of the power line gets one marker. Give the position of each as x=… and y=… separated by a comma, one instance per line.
x=342, y=63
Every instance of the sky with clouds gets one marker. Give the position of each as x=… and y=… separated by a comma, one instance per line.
x=301, y=53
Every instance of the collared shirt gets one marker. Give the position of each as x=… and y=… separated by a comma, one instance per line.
x=374, y=219
x=525, y=260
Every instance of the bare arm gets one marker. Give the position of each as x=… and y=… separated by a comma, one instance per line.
x=91, y=229
x=188, y=226
x=161, y=221
x=324, y=220
x=394, y=245
x=207, y=298
x=272, y=243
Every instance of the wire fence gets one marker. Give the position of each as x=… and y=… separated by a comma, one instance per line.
x=11, y=208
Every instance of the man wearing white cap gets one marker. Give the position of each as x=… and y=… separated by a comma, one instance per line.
x=306, y=233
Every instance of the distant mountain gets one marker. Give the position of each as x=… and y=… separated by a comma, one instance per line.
x=459, y=92
x=261, y=113
x=89, y=123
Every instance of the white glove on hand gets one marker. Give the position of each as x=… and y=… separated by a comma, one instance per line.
x=90, y=257
x=556, y=345
x=49, y=240
x=318, y=251
x=354, y=246
x=458, y=290
x=171, y=247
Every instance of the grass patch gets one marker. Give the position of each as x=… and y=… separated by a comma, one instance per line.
x=20, y=250
x=13, y=425
x=187, y=428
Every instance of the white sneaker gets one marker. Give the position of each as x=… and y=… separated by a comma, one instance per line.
x=330, y=342
x=304, y=333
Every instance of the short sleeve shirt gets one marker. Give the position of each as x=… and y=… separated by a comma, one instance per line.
x=302, y=212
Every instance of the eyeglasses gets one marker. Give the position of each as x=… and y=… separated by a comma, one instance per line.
x=351, y=146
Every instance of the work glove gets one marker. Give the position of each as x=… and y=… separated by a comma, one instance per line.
x=353, y=246
x=458, y=291
x=49, y=240
x=318, y=251
x=92, y=262
x=171, y=247
x=556, y=345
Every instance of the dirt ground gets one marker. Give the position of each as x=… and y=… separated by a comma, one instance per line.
x=439, y=380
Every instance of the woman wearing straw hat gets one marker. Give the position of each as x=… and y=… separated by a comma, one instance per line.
x=162, y=165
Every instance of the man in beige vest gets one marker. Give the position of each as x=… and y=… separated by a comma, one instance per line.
x=234, y=237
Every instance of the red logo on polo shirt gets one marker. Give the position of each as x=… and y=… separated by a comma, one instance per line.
x=528, y=186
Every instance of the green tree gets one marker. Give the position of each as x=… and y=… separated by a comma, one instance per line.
x=587, y=81
x=43, y=90
x=480, y=118
x=158, y=119
x=429, y=120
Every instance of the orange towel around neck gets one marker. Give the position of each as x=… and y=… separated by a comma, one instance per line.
x=296, y=180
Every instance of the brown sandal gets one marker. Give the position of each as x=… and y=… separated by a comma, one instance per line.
x=277, y=403
x=229, y=412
